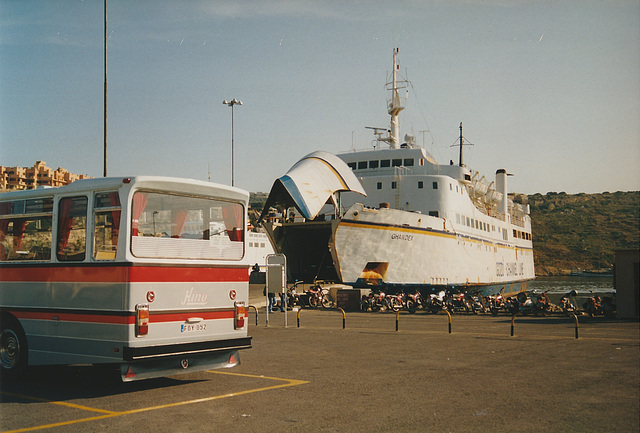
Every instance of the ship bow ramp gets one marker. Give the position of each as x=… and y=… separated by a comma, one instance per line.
x=311, y=183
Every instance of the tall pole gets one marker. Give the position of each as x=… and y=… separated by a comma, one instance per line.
x=231, y=104
x=232, y=145
x=105, y=90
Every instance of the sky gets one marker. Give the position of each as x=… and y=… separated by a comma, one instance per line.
x=549, y=90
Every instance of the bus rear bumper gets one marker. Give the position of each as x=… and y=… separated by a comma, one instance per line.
x=158, y=361
x=188, y=363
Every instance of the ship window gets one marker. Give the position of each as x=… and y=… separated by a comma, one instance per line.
x=514, y=234
x=352, y=165
x=457, y=218
x=433, y=213
x=450, y=187
x=421, y=162
x=379, y=185
x=394, y=185
x=396, y=163
x=435, y=185
x=373, y=164
x=362, y=165
x=408, y=162
x=420, y=184
x=385, y=163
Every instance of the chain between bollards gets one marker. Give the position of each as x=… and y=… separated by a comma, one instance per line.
x=256, y=310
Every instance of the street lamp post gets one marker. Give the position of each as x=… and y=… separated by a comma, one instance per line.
x=231, y=104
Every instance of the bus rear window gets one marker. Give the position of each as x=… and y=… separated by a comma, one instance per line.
x=183, y=227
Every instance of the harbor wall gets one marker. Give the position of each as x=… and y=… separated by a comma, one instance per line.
x=627, y=283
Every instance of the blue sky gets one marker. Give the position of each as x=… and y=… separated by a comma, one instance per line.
x=549, y=90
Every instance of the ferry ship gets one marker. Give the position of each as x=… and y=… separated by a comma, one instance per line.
x=392, y=217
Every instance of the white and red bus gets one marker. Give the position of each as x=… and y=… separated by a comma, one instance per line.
x=145, y=272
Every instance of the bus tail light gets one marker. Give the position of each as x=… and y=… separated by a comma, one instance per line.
x=238, y=322
x=142, y=319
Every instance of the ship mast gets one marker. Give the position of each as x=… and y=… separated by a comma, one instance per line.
x=461, y=144
x=395, y=106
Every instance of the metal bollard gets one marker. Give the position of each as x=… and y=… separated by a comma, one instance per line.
x=256, y=310
x=576, y=319
x=397, y=318
x=299, y=311
x=344, y=318
x=513, y=319
x=449, y=314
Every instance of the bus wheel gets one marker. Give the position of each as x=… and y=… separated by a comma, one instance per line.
x=13, y=349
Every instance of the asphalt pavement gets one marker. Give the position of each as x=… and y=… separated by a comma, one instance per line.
x=365, y=377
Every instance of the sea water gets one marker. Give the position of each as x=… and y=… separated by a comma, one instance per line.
x=557, y=287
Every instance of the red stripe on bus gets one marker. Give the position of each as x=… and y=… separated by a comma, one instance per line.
x=74, y=317
x=123, y=274
x=154, y=317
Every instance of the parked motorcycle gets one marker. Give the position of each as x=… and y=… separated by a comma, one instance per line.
x=436, y=303
x=475, y=303
x=609, y=308
x=495, y=304
x=315, y=295
x=293, y=297
x=374, y=301
x=593, y=306
x=511, y=305
x=396, y=302
x=414, y=301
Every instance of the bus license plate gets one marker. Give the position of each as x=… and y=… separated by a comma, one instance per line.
x=195, y=327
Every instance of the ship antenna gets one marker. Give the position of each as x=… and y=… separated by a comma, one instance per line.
x=462, y=142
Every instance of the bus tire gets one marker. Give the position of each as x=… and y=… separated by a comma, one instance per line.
x=13, y=349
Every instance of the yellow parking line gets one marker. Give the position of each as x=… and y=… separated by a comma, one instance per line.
x=58, y=424
x=61, y=403
x=111, y=414
x=289, y=382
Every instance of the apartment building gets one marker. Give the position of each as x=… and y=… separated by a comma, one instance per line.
x=13, y=178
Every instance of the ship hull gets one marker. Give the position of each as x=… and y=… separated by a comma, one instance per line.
x=406, y=250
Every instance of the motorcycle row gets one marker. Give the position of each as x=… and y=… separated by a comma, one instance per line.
x=465, y=302
x=460, y=302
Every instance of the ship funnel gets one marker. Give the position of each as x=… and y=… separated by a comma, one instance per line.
x=501, y=187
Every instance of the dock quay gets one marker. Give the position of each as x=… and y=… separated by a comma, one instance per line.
x=366, y=377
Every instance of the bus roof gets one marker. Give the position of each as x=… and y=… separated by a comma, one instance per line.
x=164, y=183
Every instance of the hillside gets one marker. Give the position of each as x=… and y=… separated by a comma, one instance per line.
x=572, y=231
x=582, y=231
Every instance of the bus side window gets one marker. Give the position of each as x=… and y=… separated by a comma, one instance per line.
x=72, y=229
x=107, y=225
x=25, y=239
